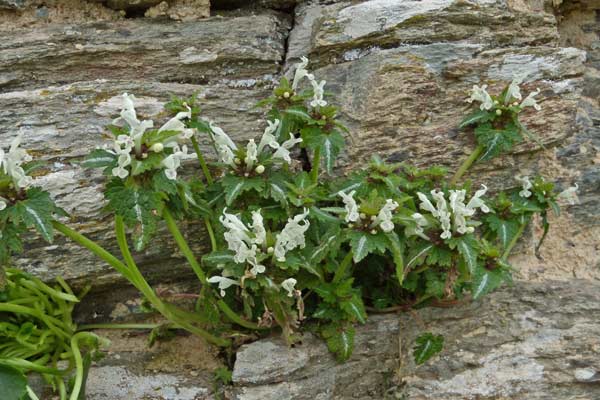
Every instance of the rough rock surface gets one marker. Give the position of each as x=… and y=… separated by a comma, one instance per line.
x=533, y=341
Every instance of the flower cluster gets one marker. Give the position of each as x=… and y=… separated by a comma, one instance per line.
x=249, y=245
x=11, y=165
x=318, y=87
x=248, y=160
x=381, y=220
x=451, y=213
x=512, y=96
x=134, y=143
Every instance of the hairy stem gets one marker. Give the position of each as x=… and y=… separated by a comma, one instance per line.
x=343, y=267
x=514, y=240
x=314, y=172
x=203, y=165
x=211, y=234
x=466, y=164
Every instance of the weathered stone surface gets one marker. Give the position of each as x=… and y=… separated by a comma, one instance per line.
x=180, y=10
x=69, y=122
x=13, y=4
x=141, y=49
x=133, y=5
x=533, y=341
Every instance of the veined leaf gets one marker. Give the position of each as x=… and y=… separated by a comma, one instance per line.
x=363, y=243
x=475, y=117
x=340, y=340
x=218, y=257
x=355, y=308
x=496, y=141
x=397, y=250
x=427, y=345
x=420, y=252
x=324, y=216
x=467, y=247
x=13, y=383
x=234, y=186
x=505, y=230
x=100, y=158
x=298, y=112
x=485, y=281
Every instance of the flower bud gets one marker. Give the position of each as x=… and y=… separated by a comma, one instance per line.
x=323, y=117
x=498, y=112
x=286, y=95
x=515, y=104
x=157, y=147
x=373, y=231
x=373, y=218
x=496, y=102
x=260, y=169
x=350, y=225
x=362, y=215
x=270, y=250
x=237, y=161
x=144, y=155
x=246, y=174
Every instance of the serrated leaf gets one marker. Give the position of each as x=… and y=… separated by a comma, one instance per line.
x=496, y=141
x=355, y=308
x=329, y=145
x=420, y=252
x=234, y=186
x=99, y=158
x=218, y=257
x=397, y=250
x=340, y=340
x=36, y=211
x=13, y=383
x=298, y=112
x=363, y=243
x=485, y=281
x=427, y=345
x=505, y=230
x=467, y=247
x=475, y=117
x=153, y=161
x=328, y=243
x=324, y=216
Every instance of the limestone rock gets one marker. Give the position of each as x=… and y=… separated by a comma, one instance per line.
x=14, y=4
x=533, y=341
x=180, y=10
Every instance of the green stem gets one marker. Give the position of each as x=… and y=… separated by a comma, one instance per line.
x=466, y=164
x=314, y=172
x=202, y=161
x=189, y=255
x=31, y=394
x=143, y=286
x=343, y=267
x=514, y=240
x=211, y=234
x=90, y=327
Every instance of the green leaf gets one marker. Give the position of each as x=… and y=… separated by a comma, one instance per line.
x=496, y=141
x=476, y=117
x=218, y=257
x=427, y=345
x=153, y=161
x=298, y=112
x=467, y=247
x=36, y=211
x=234, y=186
x=100, y=158
x=355, y=308
x=505, y=230
x=340, y=340
x=363, y=243
x=397, y=250
x=329, y=144
x=419, y=252
x=324, y=216
x=328, y=243
x=485, y=281
x=13, y=383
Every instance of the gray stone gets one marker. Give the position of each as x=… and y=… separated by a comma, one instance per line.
x=217, y=49
x=133, y=5
x=14, y=4
x=534, y=341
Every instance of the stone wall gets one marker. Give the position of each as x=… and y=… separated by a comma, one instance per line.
x=400, y=69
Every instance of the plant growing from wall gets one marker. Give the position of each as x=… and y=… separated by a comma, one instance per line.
x=293, y=243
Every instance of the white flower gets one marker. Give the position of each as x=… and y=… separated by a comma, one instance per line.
x=480, y=94
x=283, y=151
x=318, y=92
x=443, y=213
x=301, y=73
x=352, y=214
x=426, y=204
x=292, y=235
x=569, y=196
x=513, y=91
x=175, y=124
x=530, y=101
x=476, y=201
x=129, y=116
x=173, y=161
x=11, y=163
x=224, y=145
x=384, y=218
x=288, y=286
x=122, y=162
x=224, y=283
x=526, y=185
x=460, y=211
x=420, y=222
x=268, y=139
x=3, y=204
x=251, y=155
x=256, y=268
x=260, y=234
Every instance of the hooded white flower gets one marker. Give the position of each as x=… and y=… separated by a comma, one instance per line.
x=251, y=155
x=477, y=202
x=530, y=101
x=224, y=283
x=318, y=92
x=460, y=211
x=292, y=235
x=176, y=124
x=3, y=204
x=525, y=184
x=426, y=204
x=224, y=144
x=421, y=222
x=173, y=161
x=513, y=91
x=384, y=218
x=301, y=73
x=268, y=139
x=350, y=205
x=260, y=234
x=480, y=94
x=129, y=116
x=288, y=286
x=11, y=163
x=569, y=196
x=283, y=151
x=443, y=213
